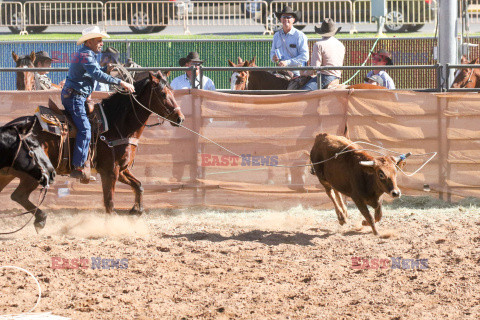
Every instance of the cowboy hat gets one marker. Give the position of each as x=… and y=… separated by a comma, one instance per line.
x=44, y=56
x=191, y=57
x=385, y=54
x=327, y=29
x=111, y=53
x=288, y=10
x=376, y=78
x=91, y=33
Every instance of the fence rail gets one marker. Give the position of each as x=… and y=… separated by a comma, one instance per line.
x=153, y=16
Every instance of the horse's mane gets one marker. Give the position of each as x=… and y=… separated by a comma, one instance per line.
x=117, y=106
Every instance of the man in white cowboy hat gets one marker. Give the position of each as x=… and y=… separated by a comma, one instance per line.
x=290, y=46
x=83, y=72
x=184, y=81
x=327, y=52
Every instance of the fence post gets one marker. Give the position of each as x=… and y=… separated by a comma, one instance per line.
x=185, y=20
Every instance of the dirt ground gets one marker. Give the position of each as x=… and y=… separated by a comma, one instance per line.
x=205, y=264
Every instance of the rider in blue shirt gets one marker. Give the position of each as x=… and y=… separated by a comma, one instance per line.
x=290, y=43
x=83, y=72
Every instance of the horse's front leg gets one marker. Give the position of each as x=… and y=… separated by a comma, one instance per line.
x=21, y=194
x=109, y=179
x=128, y=178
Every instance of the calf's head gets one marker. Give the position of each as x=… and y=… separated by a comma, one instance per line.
x=385, y=171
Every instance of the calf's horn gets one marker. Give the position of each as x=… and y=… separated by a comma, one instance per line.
x=367, y=163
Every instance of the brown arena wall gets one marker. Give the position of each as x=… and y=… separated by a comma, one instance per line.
x=179, y=168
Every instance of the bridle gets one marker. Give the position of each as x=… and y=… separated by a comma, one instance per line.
x=153, y=91
x=28, y=77
x=236, y=74
x=21, y=142
x=469, y=78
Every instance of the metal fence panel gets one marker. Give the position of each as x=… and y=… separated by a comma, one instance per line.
x=473, y=10
x=11, y=14
x=409, y=12
x=63, y=13
x=314, y=12
x=144, y=14
x=228, y=13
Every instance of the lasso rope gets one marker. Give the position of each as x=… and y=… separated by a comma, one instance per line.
x=29, y=315
x=364, y=62
x=122, y=69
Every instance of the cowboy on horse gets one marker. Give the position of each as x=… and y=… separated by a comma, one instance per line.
x=83, y=72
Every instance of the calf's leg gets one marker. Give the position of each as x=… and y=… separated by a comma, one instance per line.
x=331, y=194
x=368, y=217
x=340, y=201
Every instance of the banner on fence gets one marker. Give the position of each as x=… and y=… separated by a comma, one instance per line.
x=180, y=168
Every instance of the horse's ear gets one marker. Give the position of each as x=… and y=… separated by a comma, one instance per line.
x=14, y=56
x=464, y=59
x=253, y=61
x=231, y=63
x=475, y=61
x=167, y=74
x=240, y=60
x=153, y=77
x=32, y=56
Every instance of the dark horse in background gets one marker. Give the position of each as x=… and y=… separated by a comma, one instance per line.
x=468, y=77
x=127, y=117
x=25, y=79
x=21, y=152
x=265, y=80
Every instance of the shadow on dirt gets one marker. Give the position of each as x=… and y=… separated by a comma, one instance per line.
x=271, y=238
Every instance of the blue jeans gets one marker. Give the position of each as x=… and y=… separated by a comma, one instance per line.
x=75, y=105
x=312, y=84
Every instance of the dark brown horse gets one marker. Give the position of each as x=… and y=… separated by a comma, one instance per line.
x=127, y=117
x=25, y=79
x=468, y=77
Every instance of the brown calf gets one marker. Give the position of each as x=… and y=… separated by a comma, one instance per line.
x=356, y=174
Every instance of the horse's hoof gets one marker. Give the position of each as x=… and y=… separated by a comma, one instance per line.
x=365, y=223
x=342, y=222
x=40, y=221
x=135, y=212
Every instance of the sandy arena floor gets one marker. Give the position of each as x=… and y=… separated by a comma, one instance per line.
x=204, y=264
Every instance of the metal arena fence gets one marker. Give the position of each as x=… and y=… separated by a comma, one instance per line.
x=154, y=16
x=216, y=53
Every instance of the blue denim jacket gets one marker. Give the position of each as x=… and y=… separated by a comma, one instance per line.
x=84, y=70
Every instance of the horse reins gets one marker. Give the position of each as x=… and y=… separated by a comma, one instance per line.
x=41, y=198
